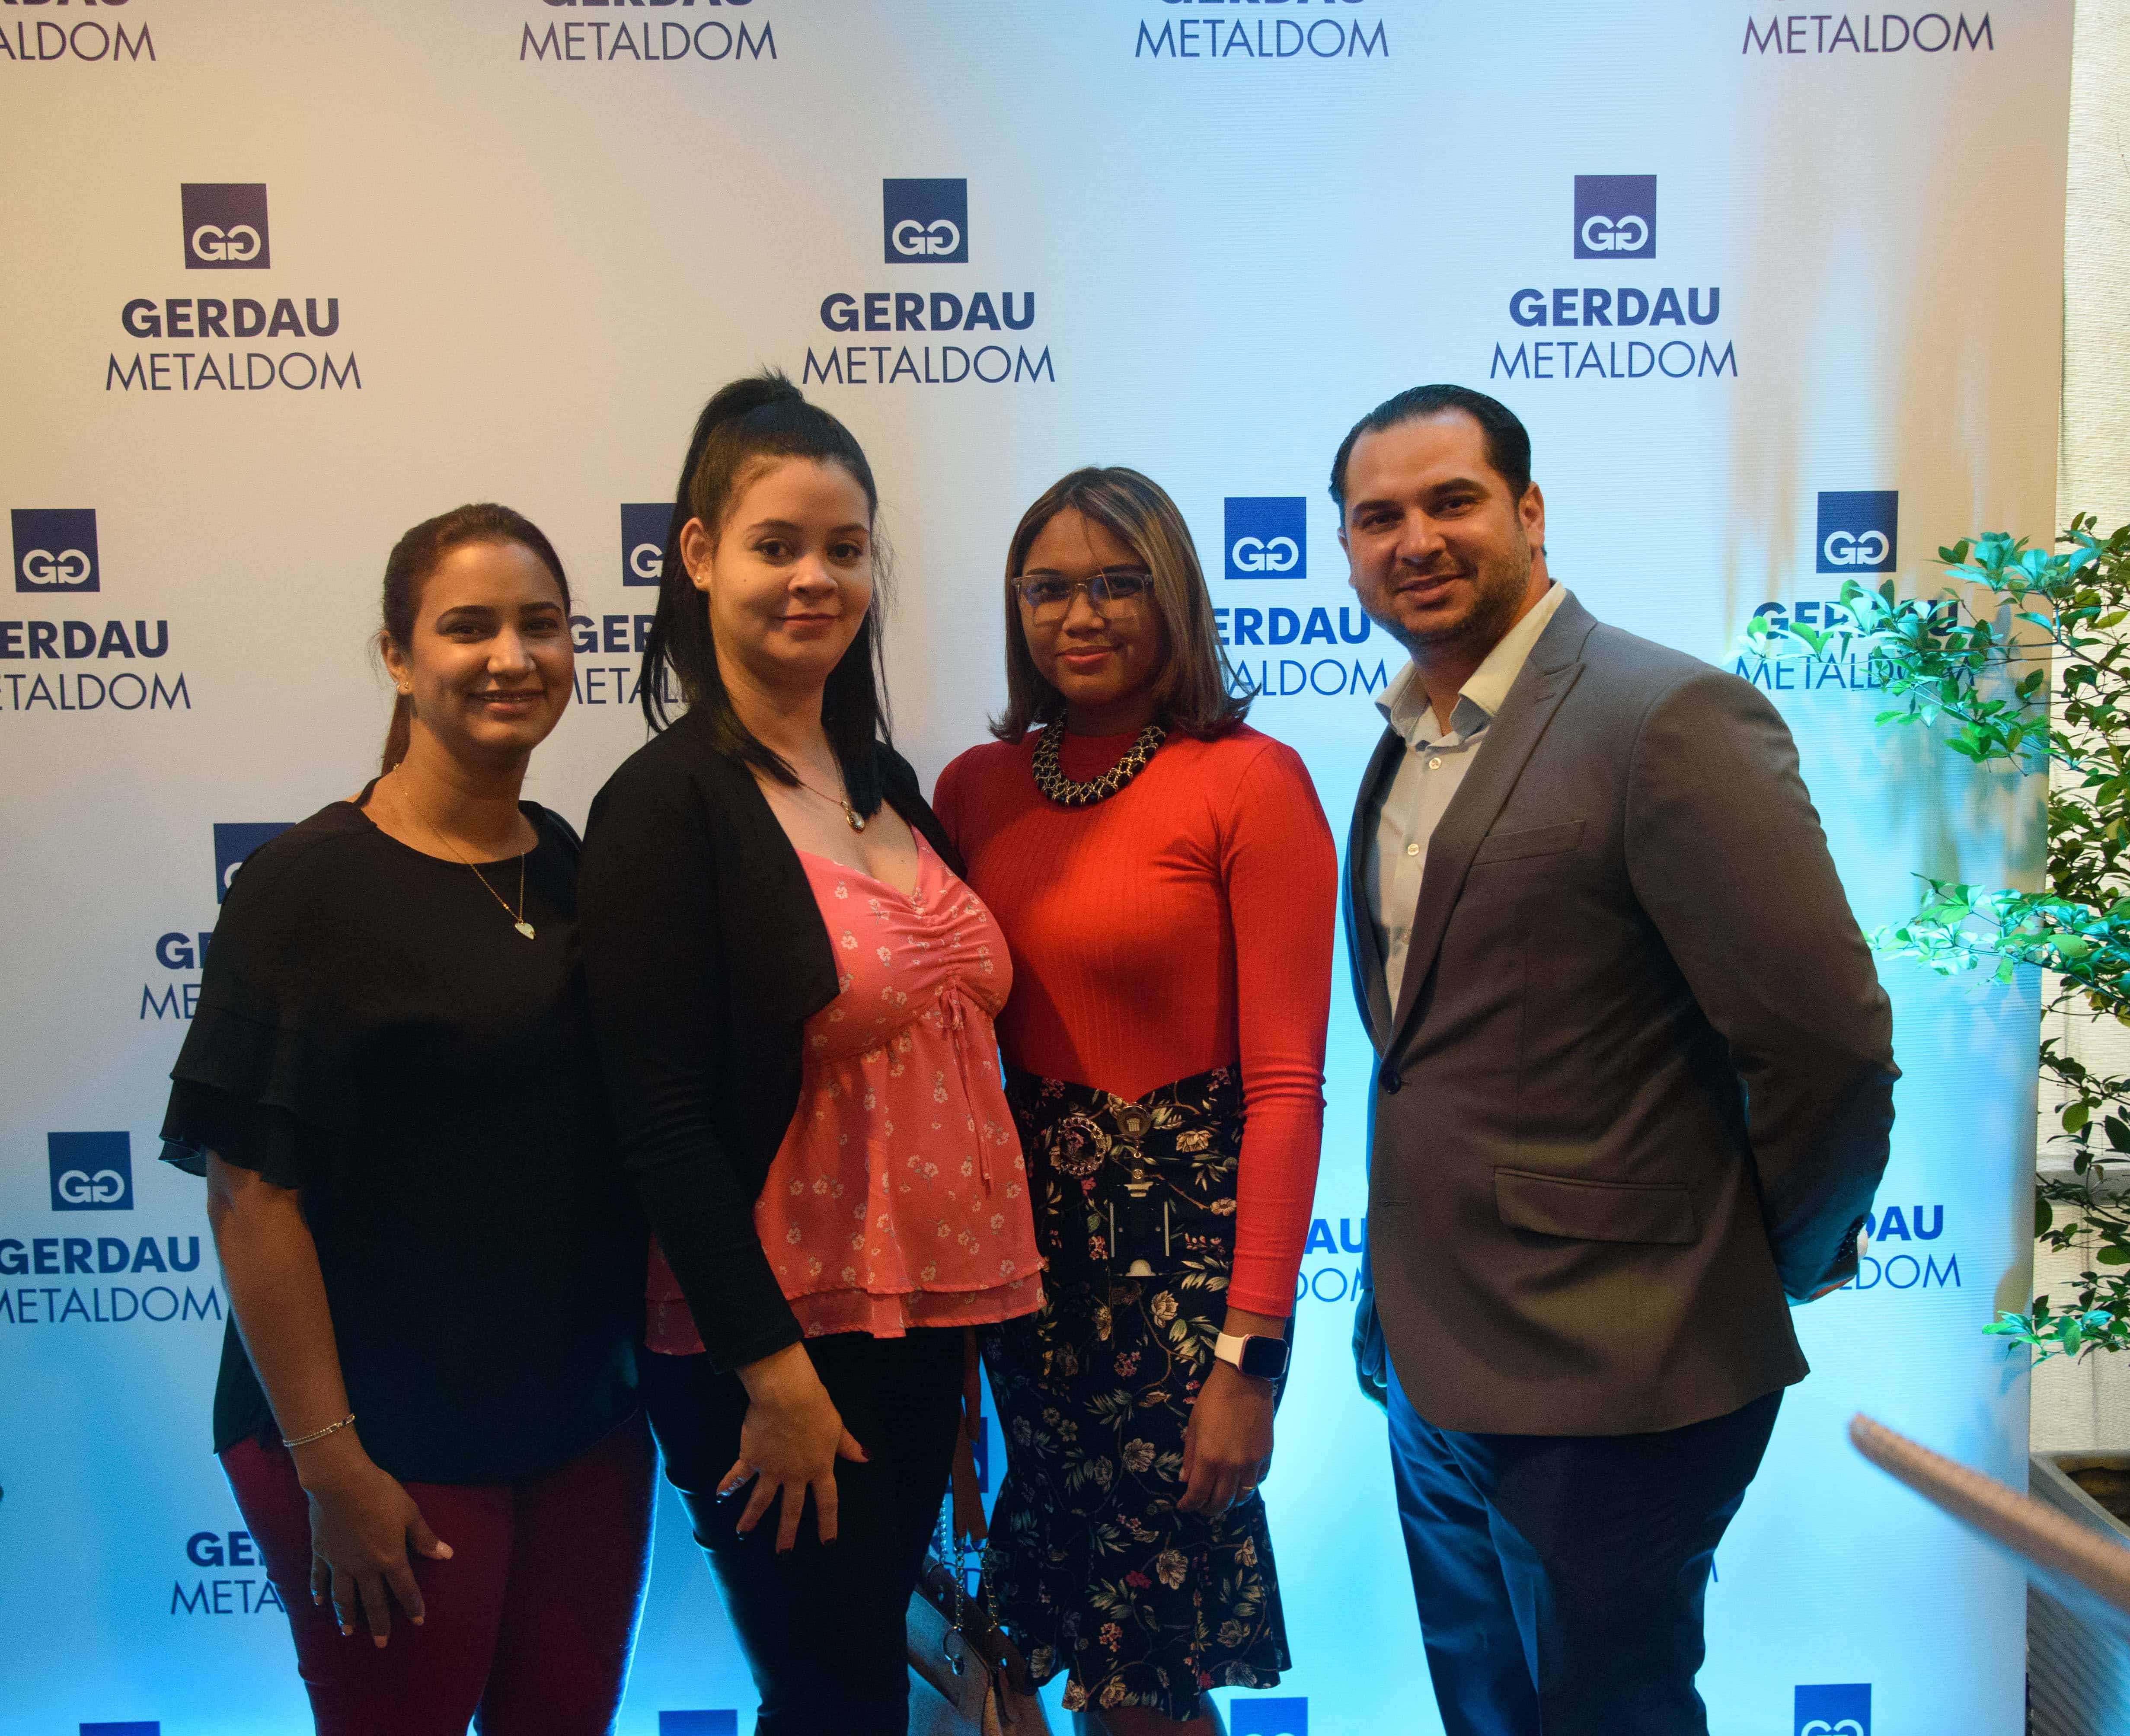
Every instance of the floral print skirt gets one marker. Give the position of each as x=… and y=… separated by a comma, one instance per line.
x=1089, y=1565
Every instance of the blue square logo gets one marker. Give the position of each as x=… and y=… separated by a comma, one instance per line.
x=1281, y=1716
x=927, y=221
x=1616, y=216
x=56, y=549
x=1267, y=537
x=1858, y=531
x=643, y=530
x=1834, y=1708
x=698, y=1724
x=233, y=841
x=225, y=226
x=91, y=1172
x=138, y=1727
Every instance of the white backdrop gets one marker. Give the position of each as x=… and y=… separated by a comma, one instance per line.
x=509, y=247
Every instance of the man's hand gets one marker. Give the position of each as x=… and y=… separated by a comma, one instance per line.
x=1863, y=1242
x=1371, y=1359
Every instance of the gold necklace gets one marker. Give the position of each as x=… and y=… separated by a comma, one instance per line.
x=856, y=819
x=1051, y=779
x=517, y=916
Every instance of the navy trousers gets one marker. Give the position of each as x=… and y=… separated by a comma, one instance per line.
x=1560, y=1577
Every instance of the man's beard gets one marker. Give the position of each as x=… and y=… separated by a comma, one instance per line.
x=1498, y=591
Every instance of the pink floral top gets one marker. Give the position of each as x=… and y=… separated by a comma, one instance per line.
x=898, y=1197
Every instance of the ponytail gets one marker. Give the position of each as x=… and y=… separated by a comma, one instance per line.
x=398, y=732
x=760, y=420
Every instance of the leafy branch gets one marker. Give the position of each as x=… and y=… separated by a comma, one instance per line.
x=1974, y=663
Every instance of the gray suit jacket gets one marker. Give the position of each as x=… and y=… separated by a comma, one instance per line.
x=1639, y=1083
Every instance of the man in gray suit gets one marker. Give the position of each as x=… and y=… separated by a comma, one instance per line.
x=1632, y=1097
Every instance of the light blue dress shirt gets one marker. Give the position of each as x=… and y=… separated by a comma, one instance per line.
x=1434, y=765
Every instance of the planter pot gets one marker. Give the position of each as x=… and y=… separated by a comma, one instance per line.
x=2078, y=1673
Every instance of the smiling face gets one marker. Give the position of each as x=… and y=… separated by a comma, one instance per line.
x=489, y=664
x=788, y=577
x=1438, y=551
x=1103, y=658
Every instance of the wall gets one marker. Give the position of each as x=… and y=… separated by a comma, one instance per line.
x=510, y=248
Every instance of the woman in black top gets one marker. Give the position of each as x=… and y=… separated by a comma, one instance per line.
x=427, y=1395
x=731, y=866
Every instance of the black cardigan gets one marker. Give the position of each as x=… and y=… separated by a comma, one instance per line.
x=705, y=954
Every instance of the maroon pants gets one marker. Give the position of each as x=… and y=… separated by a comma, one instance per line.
x=528, y=1624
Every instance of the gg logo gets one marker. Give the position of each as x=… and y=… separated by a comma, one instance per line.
x=80, y=1187
x=1257, y=554
x=232, y=245
x=41, y=567
x=1821, y=1727
x=1843, y=549
x=919, y=240
x=1602, y=234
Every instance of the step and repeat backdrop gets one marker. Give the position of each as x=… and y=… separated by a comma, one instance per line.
x=1779, y=294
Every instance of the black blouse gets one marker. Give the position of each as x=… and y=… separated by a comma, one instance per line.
x=373, y=1033
x=705, y=955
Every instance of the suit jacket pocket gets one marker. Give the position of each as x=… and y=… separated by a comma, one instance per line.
x=1594, y=1211
x=1503, y=846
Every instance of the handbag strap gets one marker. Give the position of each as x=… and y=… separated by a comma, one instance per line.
x=983, y=1634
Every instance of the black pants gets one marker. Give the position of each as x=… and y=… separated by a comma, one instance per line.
x=822, y=1627
x=1559, y=1578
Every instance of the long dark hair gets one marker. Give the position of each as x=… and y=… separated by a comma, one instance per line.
x=407, y=569
x=763, y=418
x=1193, y=692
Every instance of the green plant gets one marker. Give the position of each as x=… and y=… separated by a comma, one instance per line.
x=1976, y=662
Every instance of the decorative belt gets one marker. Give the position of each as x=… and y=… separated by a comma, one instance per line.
x=1127, y=1189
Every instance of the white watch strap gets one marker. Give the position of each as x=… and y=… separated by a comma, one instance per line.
x=1228, y=1348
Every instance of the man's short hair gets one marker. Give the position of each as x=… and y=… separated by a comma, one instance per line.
x=1507, y=442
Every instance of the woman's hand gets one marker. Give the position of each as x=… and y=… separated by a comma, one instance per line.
x=1227, y=1444
x=362, y=1524
x=788, y=1442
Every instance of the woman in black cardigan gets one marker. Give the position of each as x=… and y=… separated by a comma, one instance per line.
x=716, y=859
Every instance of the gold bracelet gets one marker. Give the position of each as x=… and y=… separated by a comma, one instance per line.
x=305, y=1440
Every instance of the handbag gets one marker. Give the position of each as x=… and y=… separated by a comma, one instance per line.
x=978, y=1682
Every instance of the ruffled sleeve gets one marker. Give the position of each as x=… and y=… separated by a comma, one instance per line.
x=263, y=1080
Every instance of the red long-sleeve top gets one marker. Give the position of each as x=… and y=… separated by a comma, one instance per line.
x=1182, y=924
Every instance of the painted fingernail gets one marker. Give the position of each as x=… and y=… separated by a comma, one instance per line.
x=378, y=1641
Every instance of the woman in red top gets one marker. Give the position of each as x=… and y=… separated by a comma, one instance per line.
x=1166, y=881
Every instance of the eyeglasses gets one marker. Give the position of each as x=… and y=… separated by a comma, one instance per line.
x=1051, y=594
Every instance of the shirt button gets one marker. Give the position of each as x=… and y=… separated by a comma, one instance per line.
x=1435, y=764
x=1412, y=850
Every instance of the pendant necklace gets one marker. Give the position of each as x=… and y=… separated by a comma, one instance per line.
x=517, y=916
x=856, y=819
x=1068, y=793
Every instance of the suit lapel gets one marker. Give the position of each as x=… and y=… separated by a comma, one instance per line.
x=1364, y=958
x=1504, y=751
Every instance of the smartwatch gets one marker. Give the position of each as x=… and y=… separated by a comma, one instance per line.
x=1262, y=1359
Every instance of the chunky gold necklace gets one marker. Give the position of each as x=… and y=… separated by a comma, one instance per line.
x=1067, y=793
